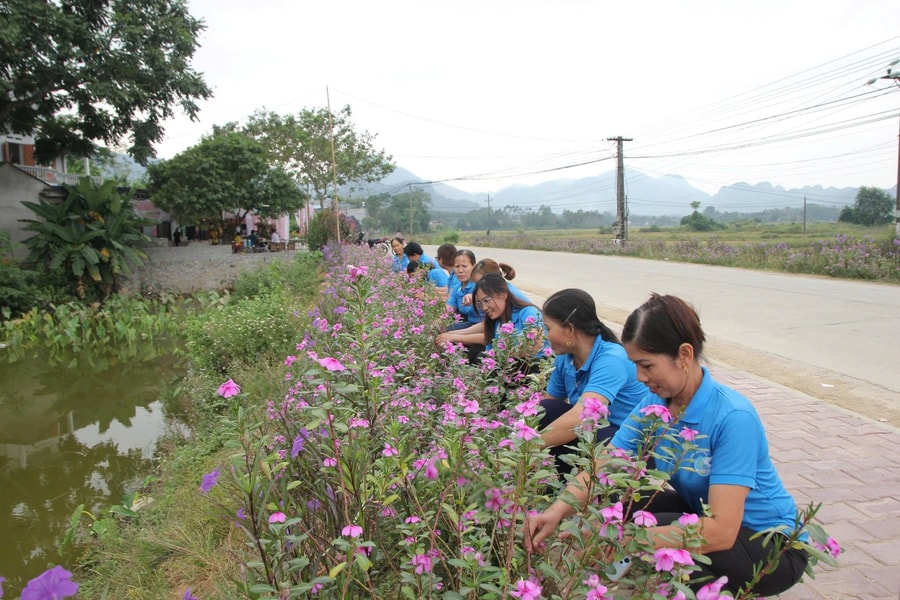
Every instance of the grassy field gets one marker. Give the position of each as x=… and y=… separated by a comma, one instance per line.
x=830, y=249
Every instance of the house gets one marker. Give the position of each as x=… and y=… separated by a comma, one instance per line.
x=21, y=180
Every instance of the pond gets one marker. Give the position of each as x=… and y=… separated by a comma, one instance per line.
x=71, y=436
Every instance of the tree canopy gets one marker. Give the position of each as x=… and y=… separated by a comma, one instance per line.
x=301, y=145
x=225, y=172
x=873, y=207
x=75, y=72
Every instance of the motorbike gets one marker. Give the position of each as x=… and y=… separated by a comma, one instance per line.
x=380, y=245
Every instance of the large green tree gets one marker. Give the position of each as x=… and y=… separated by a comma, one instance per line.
x=302, y=145
x=77, y=71
x=873, y=206
x=225, y=172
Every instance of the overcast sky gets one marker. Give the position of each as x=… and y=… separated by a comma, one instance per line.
x=484, y=94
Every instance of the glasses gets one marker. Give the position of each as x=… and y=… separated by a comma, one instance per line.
x=484, y=302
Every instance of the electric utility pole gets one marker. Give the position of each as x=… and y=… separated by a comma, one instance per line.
x=489, y=216
x=621, y=228
x=894, y=76
x=410, y=211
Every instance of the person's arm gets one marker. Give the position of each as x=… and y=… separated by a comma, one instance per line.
x=469, y=335
x=562, y=430
x=541, y=526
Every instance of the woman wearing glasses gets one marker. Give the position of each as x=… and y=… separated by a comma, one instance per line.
x=590, y=364
x=499, y=306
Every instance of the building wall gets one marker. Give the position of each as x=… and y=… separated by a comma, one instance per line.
x=16, y=187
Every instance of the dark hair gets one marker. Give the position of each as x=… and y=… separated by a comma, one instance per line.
x=662, y=324
x=490, y=284
x=411, y=266
x=413, y=248
x=468, y=254
x=445, y=254
x=398, y=239
x=489, y=265
x=577, y=308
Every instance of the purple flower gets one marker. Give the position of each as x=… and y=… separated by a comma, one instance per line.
x=50, y=585
x=297, y=446
x=2, y=579
x=209, y=481
x=229, y=389
x=188, y=595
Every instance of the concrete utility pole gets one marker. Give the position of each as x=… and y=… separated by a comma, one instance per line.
x=621, y=211
x=489, y=216
x=895, y=77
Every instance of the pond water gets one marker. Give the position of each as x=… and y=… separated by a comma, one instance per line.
x=71, y=437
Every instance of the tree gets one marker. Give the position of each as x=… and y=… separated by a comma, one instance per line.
x=77, y=72
x=873, y=207
x=301, y=145
x=226, y=172
x=89, y=238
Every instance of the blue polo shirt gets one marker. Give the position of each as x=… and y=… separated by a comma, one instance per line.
x=453, y=282
x=438, y=276
x=607, y=371
x=469, y=313
x=399, y=263
x=425, y=260
x=518, y=317
x=733, y=450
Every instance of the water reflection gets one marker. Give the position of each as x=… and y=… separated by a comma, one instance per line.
x=67, y=437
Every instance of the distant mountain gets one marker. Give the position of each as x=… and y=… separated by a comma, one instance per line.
x=444, y=198
x=666, y=195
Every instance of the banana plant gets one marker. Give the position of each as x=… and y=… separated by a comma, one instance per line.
x=90, y=237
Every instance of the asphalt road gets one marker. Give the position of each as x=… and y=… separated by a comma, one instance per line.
x=834, y=339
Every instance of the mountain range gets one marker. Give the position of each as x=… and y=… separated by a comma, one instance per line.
x=646, y=195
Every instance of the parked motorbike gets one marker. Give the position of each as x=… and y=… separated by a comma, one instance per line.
x=380, y=245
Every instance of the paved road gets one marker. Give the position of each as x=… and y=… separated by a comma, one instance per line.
x=834, y=339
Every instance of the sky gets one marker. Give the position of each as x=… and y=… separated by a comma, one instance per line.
x=485, y=94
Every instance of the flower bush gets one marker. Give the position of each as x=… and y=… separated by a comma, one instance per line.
x=393, y=469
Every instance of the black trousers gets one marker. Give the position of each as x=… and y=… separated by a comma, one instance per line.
x=737, y=562
x=554, y=409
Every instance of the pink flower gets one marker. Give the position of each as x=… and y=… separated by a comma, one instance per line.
x=329, y=462
x=495, y=499
x=710, y=591
x=594, y=409
x=667, y=558
x=526, y=590
x=332, y=364
x=412, y=519
x=389, y=450
x=688, y=519
x=357, y=272
x=229, y=389
x=507, y=327
x=613, y=513
x=422, y=563
x=596, y=589
x=353, y=531
x=290, y=360
x=431, y=471
x=644, y=518
x=688, y=434
x=277, y=517
x=524, y=431
x=659, y=411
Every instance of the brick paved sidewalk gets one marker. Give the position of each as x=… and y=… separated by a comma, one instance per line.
x=851, y=465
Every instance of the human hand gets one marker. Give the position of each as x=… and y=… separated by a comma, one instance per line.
x=537, y=529
x=467, y=300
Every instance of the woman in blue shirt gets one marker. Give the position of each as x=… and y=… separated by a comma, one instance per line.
x=731, y=471
x=399, y=260
x=493, y=298
x=590, y=363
